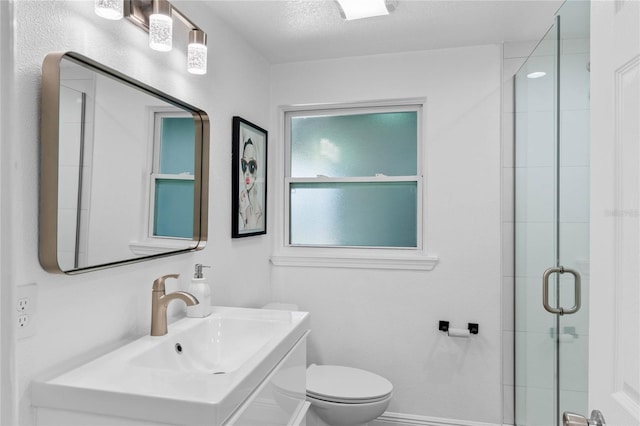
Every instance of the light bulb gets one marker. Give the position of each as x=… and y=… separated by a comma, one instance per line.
x=161, y=26
x=109, y=9
x=197, y=52
x=536, y=74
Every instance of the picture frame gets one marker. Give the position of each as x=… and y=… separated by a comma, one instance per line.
x=248, y=179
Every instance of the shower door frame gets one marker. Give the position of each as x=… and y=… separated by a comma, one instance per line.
x=552, y=395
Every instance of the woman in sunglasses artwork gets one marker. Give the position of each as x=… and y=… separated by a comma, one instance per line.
x=250, y=209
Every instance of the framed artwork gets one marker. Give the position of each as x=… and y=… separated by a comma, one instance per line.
x=248, y=179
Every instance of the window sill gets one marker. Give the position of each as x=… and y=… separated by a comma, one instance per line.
x=151, y=247
x=398, y=262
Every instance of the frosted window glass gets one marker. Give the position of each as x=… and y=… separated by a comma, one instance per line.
x=173, y=208
x=354, y=214
x=354, y=145
x=177, y=149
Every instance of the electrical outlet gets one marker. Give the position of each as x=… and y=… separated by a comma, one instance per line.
x=23, y=304
x=25, y=326
x=26, y=303
x=26, y=298
x=23, y=321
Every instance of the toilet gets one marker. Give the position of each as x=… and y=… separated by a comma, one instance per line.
x=342, y=396
x=346, y=396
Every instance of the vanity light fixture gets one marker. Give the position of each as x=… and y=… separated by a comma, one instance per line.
x=109, y=9
x=358, y=9
x=197, y=52
x=156, y=18
x=160, y=26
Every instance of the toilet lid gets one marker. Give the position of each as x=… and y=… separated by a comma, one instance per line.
x=345, y=384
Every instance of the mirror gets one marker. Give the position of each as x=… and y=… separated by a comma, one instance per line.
x=124, y=169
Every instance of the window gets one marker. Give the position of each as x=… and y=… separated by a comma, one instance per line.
x=171, y=212
x=353, y=177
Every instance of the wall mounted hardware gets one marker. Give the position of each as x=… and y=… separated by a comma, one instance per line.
x=472, y=328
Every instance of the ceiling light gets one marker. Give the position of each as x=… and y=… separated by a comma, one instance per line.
x=197, y=52
x=109, y=9
x=358, y=9
x=536, y=74
x=160, y=26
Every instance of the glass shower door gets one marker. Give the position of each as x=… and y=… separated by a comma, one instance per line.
x=552, y=222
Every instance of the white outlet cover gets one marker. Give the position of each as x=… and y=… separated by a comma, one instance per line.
x=28, y=295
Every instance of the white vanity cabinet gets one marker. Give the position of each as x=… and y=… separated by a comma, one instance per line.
x=281, y=398
x=255, y=375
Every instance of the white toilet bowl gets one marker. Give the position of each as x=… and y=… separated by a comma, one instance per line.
x=345, y=396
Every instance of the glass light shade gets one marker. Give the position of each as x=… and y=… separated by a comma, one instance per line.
x=160, y=32
x=109, y=9
x=197, y=52
x=197, y=58
x=358, y=9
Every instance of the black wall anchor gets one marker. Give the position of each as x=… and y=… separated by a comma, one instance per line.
x=472, y=327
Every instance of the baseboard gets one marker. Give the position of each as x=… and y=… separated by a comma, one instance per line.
x=399, y=419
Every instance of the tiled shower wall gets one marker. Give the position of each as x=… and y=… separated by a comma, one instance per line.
x=514, y=55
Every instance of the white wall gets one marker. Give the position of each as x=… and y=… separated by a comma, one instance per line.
x=77, y=315
x=6, y=41
x=386, y=321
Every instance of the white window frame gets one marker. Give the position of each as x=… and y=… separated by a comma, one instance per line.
x=412, y=258
x=149, y=244
x=157, y=139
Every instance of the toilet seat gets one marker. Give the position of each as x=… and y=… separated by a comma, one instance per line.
x=346, y=385
x=336, y=400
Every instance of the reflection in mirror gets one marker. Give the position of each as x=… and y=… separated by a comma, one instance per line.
x=124, y=169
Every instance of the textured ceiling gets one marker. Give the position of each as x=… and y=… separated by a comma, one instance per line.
x=298, y=30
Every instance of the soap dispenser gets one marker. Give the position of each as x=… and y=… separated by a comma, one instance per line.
x=200, y=289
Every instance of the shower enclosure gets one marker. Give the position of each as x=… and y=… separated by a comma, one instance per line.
x=552, y=222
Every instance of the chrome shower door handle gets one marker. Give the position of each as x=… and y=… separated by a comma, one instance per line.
x=573, y=419
x=545, y=291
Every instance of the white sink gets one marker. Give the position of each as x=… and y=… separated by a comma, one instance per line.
x=213, y=345
x=198, y=373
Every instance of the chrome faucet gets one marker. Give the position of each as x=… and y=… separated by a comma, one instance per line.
x=160, y=301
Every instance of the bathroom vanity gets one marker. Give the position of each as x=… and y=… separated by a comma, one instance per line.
x=237, y=367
